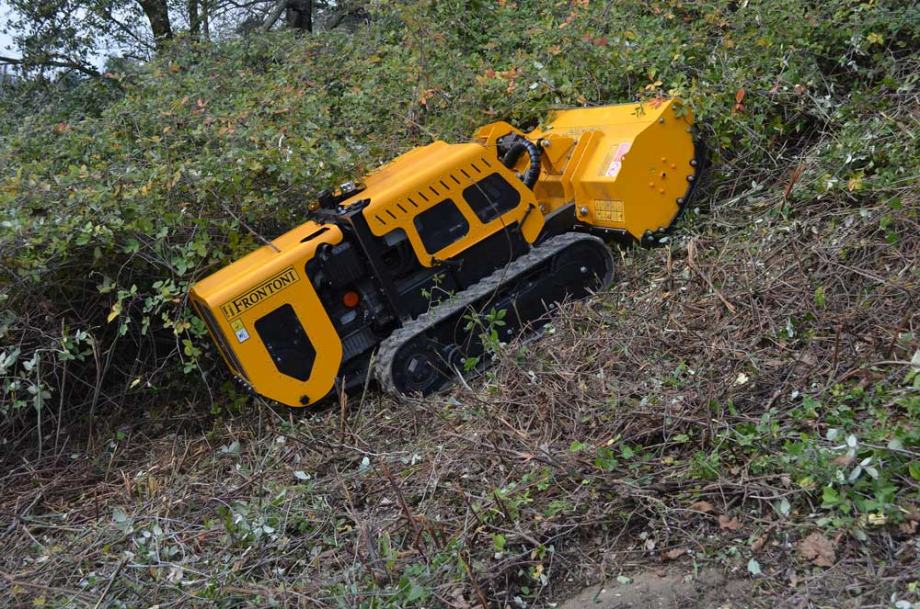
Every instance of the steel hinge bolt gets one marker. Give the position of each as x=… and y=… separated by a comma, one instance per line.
x=583, y=211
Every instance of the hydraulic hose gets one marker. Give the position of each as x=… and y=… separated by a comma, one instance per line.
x=533, y=171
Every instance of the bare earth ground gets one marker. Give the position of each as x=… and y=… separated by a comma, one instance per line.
x=664, y=589
x=649, y=443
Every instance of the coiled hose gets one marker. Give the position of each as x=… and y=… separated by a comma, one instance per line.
x=511, y=157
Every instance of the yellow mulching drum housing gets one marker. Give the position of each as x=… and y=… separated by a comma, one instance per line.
x=401, y=263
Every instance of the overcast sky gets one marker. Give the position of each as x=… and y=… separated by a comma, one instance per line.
x=5, y=41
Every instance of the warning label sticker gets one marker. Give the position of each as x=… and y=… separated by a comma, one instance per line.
x=615, y=159
x=611, y=211
x=240, y=330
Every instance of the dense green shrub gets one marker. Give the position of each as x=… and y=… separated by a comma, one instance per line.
x=107, y=217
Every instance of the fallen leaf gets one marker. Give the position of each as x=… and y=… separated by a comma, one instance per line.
x=728, y=524
x=760, y=542
x=844, y=460
x=459, y=601
x=115, y=312
x=702, y=506
x=855, y=183
x=674, y=554
x=425, y=96
x=818, y=549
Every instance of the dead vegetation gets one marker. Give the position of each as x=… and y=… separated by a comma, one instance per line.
x=688, y=417
x=744, y=399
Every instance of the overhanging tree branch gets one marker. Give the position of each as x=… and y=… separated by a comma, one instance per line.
x=51, y=62
x=343, y=13
x=273, y=15
x=107, y=15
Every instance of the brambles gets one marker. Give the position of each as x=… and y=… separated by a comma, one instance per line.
x=749, y=386
x=109, y=215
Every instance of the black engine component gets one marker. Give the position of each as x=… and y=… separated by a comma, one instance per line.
x=517, y=145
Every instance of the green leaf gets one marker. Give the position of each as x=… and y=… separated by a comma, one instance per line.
x=830, y=497
x=416, y=593
x=132, y=246
x=119, y=515
x=914, y=469
x=820, y=298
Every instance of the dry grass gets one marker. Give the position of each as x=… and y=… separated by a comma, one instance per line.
x=475, y=498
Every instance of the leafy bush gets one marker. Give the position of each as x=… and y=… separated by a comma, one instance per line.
x=108, y=216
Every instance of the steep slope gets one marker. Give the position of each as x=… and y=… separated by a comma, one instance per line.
x=743, y=400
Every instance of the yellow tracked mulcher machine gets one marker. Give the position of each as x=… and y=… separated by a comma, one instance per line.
x=387, y=276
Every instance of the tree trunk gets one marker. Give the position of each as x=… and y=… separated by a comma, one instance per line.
x=300, y=15
x=194, y=18
x=157, y=13
x=205, y=20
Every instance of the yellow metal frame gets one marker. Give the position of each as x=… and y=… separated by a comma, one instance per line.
x=257, y=284
x=420, y=179
x=624, y=167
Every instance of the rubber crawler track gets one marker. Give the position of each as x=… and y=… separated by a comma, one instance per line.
x=539, y=254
